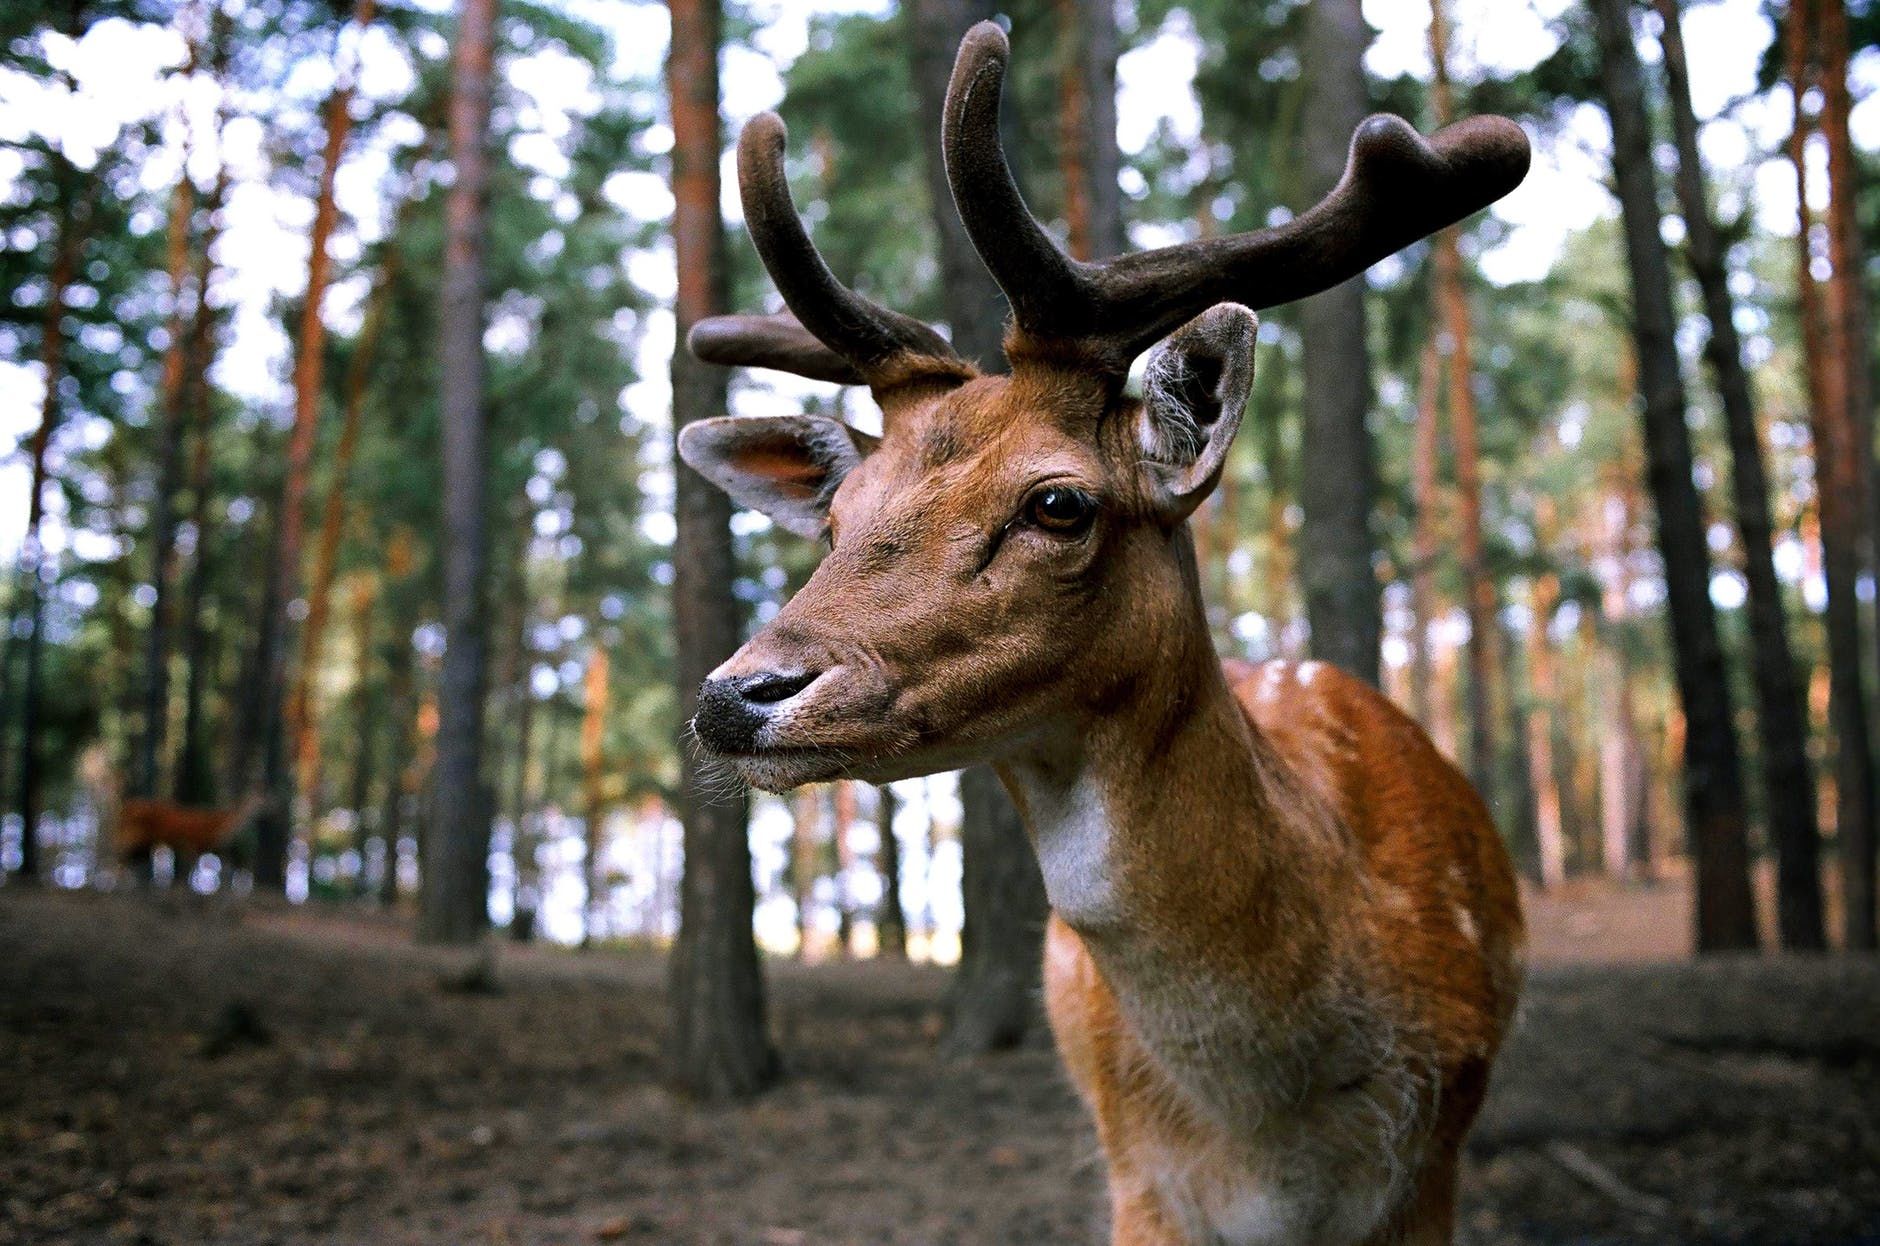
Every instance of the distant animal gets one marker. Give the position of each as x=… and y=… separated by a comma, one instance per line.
x=189, y=831
x=1286, y=940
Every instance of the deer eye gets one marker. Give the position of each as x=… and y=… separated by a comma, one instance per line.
x=1059, y=510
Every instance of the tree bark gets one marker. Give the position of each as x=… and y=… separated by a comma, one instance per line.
x=1337, y=472
x=74, y=208
x=1426, y=539
x=168, y=422
x=991, y=1002
x=273, y=825
x=400, y=730
x=1853, y=346
x=1087, y=151
x=365, y=709
x=303, y=714
x=718, y=1047
x=890, y=918
x=1457, y=338
x=1788, y=780
x=193, y=783
x=1840, y=429
x=593, y=794
x=1716, y=823
x=805, y=804
x=453, y=893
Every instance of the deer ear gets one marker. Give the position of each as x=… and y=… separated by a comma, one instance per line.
x=786, y=466
x=1194, y=391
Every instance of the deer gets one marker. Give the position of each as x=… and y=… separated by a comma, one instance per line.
x=189, y=831
x=1285, y=941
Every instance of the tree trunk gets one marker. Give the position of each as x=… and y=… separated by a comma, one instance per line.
x=1839, y=429
x=1087, y=152
x=365, y=725
x=593, y=795
x=1716, y=823
x=805, y=804
x=1426, y=538
x=1788, y=780
x=168, y=422
x=194, y=783
x=303, y=716
x=1852, y=345
x=1622, y=775
x=525, y=888
x=1457, y=338
x=718, y=1047
x=842, y=818
x=1549, y=832
x=890, y=918
x=1337, y=474
x=453, y=893
x=400, y=730
x=991, y=998
x=273, y=825
x=995, y=994
x=63, y=272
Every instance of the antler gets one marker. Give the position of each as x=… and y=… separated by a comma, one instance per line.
x=1397, y=187
x=834, y=334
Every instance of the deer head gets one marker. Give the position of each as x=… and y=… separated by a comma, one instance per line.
x=1010, y=556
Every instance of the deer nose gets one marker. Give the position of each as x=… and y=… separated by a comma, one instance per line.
x=731, y=711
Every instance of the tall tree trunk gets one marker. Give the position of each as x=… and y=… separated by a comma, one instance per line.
x=890, y=918
x=303, y=714
x=453, y=894
x=992, y=1002
x=1549, y=831
x=593, y=794
x=1622, y=775
x=1716, y=822
x=193, y=783
x=805, y=806
x=1426, y=538
x=718, y=1047
x=842, y=818
x=525, y=889
x=168, y=425
x=400, y=731
x=1457, y=337
x=1087, y=152
x=1337, y=473
x=1841, y=457
x=273, y=825
x=74, y=209
x=1788, y=780
x=365, y=710
x=1852, y=346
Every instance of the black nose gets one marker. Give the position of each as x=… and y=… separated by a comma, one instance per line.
x=732, y=711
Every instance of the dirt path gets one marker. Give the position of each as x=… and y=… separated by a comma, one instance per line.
x=213, y=1075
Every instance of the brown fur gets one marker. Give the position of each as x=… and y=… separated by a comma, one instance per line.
x=144, y=825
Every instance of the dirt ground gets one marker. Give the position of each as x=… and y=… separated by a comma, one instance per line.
x=218, y=1074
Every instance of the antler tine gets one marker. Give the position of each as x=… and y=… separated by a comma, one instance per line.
x=1397, y=187
x=878, y=345
x=778, y=341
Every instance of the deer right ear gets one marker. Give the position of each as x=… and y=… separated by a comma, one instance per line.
x=785, y=466
x=1194, y=391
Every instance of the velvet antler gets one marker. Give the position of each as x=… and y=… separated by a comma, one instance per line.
x=1397, y=187
x=834, y=334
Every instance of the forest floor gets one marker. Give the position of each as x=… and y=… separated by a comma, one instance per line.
x=180, y=1073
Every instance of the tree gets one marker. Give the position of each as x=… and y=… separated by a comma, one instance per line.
x=1337, y=473
x=890, y=918
x=1788, y=780
x=272, y=826
x=1716, y=822
x=718, y=1047
x=453, y=897
x=1842, y=429
x=1087, y=152
x=1457, y=342
x=992, y=1002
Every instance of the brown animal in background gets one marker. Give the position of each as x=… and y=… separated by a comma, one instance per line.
x=1286, y=940
x=143, y=825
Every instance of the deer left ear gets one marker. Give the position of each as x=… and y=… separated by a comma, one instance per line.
x=786, y=466
x=1194, y=392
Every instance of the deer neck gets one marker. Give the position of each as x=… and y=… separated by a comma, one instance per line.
x=1195, y=867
